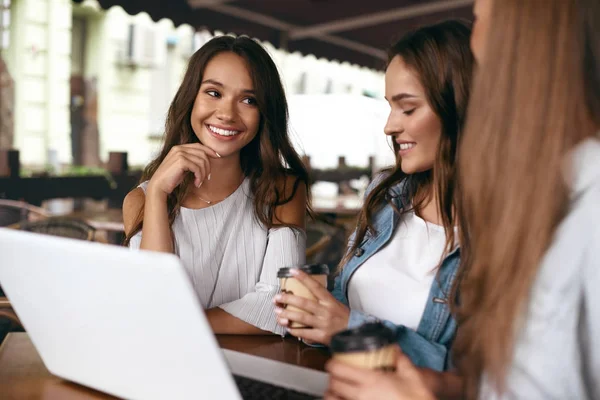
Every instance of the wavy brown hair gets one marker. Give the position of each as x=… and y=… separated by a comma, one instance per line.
x=441, y=58
x=267, y=160
x=536, y=95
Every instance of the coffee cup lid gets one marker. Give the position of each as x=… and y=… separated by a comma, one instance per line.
x=367, y=337
x=310, y=269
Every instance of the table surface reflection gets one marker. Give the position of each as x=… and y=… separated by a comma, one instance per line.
x=24, y=376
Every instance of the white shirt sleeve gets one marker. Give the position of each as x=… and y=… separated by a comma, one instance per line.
x=136, y=241
x=286, y=247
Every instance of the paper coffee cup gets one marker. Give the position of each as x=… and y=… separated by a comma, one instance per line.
x=289, y=284
x=370, y=346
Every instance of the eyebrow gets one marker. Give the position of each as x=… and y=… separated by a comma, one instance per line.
x=217, y=83
x=402, y=96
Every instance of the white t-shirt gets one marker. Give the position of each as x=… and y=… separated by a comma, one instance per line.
x=395, y=282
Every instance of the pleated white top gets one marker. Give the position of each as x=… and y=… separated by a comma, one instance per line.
x=232, y=259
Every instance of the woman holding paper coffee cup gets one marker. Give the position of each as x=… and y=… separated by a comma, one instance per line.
x=529, y=306
x=360, y=381
x=402, y=258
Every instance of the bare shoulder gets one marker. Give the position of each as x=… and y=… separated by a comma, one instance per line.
x=133, y=206
x=292, y=212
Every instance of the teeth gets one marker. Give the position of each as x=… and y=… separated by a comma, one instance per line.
x=406, y=146
x=222, y=132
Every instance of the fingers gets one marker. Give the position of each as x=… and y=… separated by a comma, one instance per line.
x=302, y=303
x=342, y=389
x=199, y=146
x=331, y=396
x=318, y=290
x=192, y=154
x=203, y=163
x=310, y=335
x=284, y=316
x=405, y=369
x=184, y=163
x=354, y=375
x=194, y=164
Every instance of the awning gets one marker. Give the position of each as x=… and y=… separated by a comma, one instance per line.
x=357, y=31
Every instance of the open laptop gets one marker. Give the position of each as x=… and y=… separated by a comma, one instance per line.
x=129, y=324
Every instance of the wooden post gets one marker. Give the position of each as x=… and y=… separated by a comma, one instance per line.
x=306, y=161
x=371, y=167
x=282, y=39
x=9, y=164
x=117, y=166
x=117, y=163
x=343, y=186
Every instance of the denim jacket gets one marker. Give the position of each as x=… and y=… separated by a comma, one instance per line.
x=429, y=345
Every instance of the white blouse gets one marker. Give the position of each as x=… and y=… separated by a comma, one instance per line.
x=232, y=260
x=395, y=282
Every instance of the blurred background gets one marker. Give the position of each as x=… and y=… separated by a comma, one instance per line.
x=85, y=86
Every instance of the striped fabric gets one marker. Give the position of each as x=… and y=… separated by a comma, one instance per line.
x=232, y=260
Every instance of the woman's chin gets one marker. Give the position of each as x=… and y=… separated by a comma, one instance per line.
x=407, y=169
x=411, y=167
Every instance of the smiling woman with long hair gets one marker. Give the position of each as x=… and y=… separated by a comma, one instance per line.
x=227, y=193
x=402, y=258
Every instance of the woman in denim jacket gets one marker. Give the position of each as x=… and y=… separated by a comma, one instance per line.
x=403, y=256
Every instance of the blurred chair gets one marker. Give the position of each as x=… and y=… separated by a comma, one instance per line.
x=55, y=226
x=60, y=226
x=325, y=244
x=317, y=239
x=16, y=212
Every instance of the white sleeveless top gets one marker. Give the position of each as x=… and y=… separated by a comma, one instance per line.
x=232, y=259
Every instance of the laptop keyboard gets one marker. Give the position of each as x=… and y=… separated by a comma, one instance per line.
x=251, y=389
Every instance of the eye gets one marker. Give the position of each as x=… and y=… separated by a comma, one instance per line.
x=409, y=112
x=250, y=101
x=213, y=93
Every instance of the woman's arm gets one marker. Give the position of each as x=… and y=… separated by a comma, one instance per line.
x=421, y=351
x=156, y=232
x=347, y=382
x=329, y=315
x=445, y=385
x=181, y=160
x=286, y=247
x=224, y=323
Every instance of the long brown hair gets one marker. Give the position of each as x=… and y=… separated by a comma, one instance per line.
x=267, y=160
x=529, y=107
x=441, y=58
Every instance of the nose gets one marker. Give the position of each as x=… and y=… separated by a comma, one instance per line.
x=394, y=125
x=226, y=111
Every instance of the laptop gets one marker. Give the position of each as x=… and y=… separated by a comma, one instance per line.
x=128, y=323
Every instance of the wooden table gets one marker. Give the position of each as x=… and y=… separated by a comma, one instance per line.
x=24, y=376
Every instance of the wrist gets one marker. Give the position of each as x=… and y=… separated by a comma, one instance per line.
x=154, y=193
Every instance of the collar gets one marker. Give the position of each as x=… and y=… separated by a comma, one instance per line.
x=584, y=166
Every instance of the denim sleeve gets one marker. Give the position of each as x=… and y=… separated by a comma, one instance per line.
x=337, y=290
x=422, y=352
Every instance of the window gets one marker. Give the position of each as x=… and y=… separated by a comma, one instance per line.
x=4, y=24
